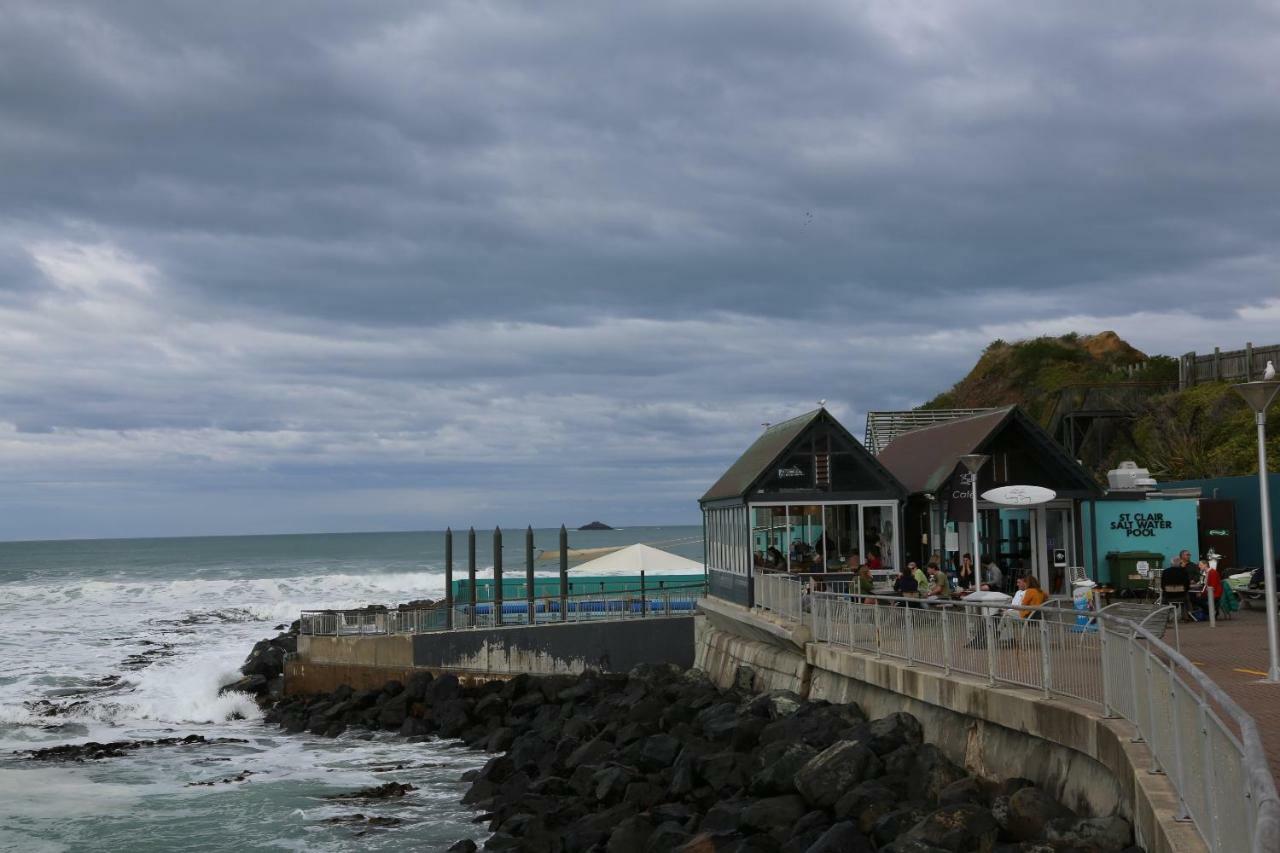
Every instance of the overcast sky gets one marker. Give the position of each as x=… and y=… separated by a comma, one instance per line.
x=311, y=266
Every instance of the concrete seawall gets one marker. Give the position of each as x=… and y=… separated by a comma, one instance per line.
x=1086, y=760
x=361, y=661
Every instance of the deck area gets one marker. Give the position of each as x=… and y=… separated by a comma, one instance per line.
x=1234, y=655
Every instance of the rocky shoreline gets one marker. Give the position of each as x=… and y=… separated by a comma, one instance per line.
x=661, y=759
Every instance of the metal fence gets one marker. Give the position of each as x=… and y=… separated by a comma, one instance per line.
x=592, y=606
x=1209, y=747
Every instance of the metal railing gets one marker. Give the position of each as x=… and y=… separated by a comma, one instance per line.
x=584, y=607
x=1209, y=747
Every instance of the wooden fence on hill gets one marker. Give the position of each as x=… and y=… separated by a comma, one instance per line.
x=1240, y=365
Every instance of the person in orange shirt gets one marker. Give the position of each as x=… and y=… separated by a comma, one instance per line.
x=1033, y=595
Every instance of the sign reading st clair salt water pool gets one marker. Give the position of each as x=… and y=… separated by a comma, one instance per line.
x=1141, y=524
x=1019, y=495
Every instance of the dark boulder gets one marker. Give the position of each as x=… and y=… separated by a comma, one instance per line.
x=959, y=828
x=773, y=813
x=466, y=845
x=842, y=837
x=896, y=822
x=667, y=836
x=896, y=730
x=832, y=772
x=1100, y=833
x=970, y=789
x=725, y=772
x=631, y=836
x=1030, y=810
x=862, y=797
x=776, y=767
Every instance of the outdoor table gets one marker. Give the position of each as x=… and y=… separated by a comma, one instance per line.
x=990, y=600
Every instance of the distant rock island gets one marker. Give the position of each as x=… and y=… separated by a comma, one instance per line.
x=595, y=525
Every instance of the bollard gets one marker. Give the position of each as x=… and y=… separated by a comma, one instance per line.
x=497, y=576
x=564, y=574
x=471, y=577
x=448, y=578
x=528, y=573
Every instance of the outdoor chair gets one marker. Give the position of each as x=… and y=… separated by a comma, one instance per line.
x=1175, y=595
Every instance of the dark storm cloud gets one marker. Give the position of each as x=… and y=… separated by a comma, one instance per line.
x=496, y=256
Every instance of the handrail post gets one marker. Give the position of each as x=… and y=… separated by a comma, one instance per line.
x=1179, y=785
x=989, y=628
x=1044, y=656
x=946, y=639
x=1210, y=777
x=1104, y=642
x=910, y=622
x=879, y=644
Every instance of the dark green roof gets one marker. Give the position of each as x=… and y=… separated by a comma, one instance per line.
x=759, y=457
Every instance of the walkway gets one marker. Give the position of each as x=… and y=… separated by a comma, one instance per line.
x=1234, y=655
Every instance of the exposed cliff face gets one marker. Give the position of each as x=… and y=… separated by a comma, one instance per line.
x=1024, y=372
x=1204, y=431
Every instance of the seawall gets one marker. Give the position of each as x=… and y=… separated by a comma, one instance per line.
x=568, y=648
x=1087, y=761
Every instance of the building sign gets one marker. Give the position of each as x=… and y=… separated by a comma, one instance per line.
x=960, y=497
x=1141, y=524
x=1019, y=495
x=793, y=471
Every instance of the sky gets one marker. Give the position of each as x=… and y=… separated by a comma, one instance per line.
x=294, y=267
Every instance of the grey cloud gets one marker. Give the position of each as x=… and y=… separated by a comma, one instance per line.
x=453, y=251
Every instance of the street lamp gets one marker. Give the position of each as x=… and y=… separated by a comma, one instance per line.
x=974, y=461
x=1259, y=396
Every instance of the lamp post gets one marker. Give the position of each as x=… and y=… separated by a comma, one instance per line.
x=974, y=461
x=1259, y=396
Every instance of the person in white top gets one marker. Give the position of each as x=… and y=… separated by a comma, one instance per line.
x=994, y=578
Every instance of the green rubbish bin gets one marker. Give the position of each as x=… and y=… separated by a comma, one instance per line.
x=1135, y=573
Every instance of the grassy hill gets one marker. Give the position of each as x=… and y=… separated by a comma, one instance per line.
x=1204, y=431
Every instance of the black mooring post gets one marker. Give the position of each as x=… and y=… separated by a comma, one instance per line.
x=564, y=574
x=644, y=601
x=471, y=577
x=528, y=573
x=448, y=578
x=497, y=575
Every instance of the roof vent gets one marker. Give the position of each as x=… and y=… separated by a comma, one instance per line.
x=1128, y=477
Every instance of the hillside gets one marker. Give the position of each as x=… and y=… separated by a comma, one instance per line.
x=1204, y=431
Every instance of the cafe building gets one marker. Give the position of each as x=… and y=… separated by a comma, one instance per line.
x=1046, y=540
x=806, y=497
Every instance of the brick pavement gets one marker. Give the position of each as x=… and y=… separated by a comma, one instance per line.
x=1234, y=654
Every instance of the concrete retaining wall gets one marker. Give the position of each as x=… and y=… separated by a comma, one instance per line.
x=559, y=648
x=1086, y=760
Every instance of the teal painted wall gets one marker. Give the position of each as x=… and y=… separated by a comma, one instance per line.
x=1164, y=527
x=1244, y=491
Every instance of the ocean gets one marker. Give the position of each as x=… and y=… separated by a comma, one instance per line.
x=129, y=639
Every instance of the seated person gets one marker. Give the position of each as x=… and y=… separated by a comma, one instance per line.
x=1033, y=596
x=905, y=583
x=922, y=580
x=964, y=575
x=873, y=560
x=1175, y=575
x=992, y=576
x=865, y=582
x=939, y=583
x=775, y=557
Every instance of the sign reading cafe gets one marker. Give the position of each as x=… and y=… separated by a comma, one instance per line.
x=1141, y=523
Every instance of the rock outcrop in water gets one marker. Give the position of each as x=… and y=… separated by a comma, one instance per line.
x=662, y=760
x=94, y=751
x=263, y=669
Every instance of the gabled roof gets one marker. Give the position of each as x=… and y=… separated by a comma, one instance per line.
x=775, y=442
x=923, y=459
x=759, y=457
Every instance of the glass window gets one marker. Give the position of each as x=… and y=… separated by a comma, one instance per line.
x=769, y=537
x=805, y=545
x=843, y=548
x=879, y=536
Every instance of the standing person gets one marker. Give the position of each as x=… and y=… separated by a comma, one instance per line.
x=964, y=577
x=1212, y=584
